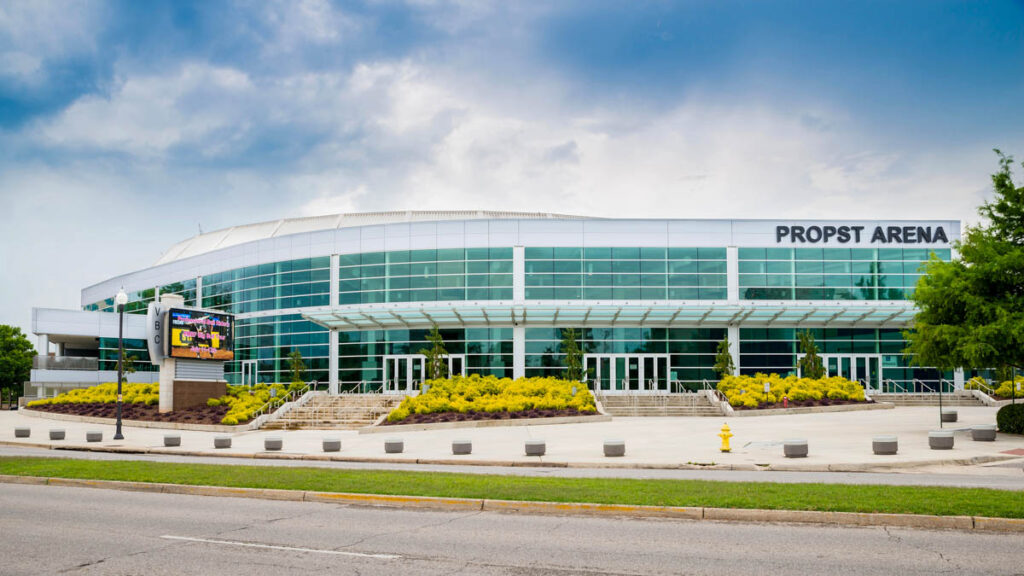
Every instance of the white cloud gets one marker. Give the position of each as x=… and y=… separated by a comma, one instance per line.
x=35, y=31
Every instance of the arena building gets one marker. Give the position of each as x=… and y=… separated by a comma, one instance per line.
x=356, y=294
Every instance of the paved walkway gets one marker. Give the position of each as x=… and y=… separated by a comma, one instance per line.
x=837, y=441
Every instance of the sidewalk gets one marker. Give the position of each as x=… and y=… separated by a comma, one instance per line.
x=837, y=442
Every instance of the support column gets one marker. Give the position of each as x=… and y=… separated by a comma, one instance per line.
x=167, y=367
x=518, y=351
x=734, y=348
x=732, y=274
x=519, y=274
x=199, y=292
x=332, y=363
x=958, y=379
x=44, y=345
x=334, y=275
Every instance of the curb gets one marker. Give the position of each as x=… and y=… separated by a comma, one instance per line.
x=962, y=523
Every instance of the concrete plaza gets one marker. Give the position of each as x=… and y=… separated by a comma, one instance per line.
x=838, y=441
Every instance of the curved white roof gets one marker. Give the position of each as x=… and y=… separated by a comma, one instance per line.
x=225, y=237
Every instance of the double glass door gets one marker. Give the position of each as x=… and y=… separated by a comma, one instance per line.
x=628, y=373
x=863, y=368
x=403, y=373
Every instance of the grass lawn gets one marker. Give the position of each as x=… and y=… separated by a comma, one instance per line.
x=693, y=493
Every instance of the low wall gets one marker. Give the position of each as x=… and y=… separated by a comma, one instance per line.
x=815, y=409
x=189, y=393
x=377, y=428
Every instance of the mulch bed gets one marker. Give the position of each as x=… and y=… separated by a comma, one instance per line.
x=194, y=415
x=802, y=403
x=470, y=416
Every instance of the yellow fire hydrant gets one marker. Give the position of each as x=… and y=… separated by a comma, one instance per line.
x=725, y=435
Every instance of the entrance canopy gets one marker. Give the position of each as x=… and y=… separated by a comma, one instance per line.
x=850, y=314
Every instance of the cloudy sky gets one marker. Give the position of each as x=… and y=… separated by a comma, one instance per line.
x=127, y=126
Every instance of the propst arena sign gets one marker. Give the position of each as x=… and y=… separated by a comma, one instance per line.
x=845, y=234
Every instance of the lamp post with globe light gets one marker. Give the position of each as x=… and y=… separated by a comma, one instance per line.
x=120, y=300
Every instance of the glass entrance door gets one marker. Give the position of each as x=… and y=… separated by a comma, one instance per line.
x=403, y=373
x=863, y=368
x=249, y=373
x=627, y=373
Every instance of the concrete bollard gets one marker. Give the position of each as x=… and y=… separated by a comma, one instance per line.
x=332, y=444
x=940, y=439
x=56, y=433
x=536, y=447
x=795, y=448
x=462, y=447
x=222, y=441
x=394, y=446
x=884, y=445
x=614, y=448
x=22, y=432
x=172, y=439
x=983, y=433
x=948, y=415
x=273, y=443
x=94, y=436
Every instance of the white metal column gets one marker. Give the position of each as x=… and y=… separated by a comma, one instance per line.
x=332, y=362
x=958, y=378
x=199, y=291
x=518, y=351
x=734, y=348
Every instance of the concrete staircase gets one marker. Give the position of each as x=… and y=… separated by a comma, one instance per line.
x=341, y=412
x=659, y=405
x=952, y=400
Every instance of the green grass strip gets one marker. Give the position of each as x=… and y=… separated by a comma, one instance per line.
x=941, y=501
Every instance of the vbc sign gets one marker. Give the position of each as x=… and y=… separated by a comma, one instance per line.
x=846, y=234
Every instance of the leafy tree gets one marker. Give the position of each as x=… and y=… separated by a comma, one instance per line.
x=129, y=365
x=573, y=356
x=810, y=365
x=436, y=355
x=971, y=310
x=16, y=353
x=296, y=366
x=724, y=365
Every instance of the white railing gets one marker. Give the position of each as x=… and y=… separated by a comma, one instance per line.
x=294, y=400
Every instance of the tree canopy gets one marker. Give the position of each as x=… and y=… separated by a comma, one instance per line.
x=971, y=310
x=16, y=352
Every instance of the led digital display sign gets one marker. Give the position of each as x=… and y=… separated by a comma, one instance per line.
x=201, y=335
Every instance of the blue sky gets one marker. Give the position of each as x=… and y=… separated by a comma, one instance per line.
x=111, y=112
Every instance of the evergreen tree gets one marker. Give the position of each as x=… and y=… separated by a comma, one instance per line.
x=971, y=310
x=296, y=366
x=810, y=364
x=436, y=355
x=724, y=365
x=573, y=356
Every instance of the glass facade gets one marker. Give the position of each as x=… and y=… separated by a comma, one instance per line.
x=625, y=273
x=136, y=349
x=362, y=355
x=691, y=351
x=425, y=275
x=831, y=273
x=268, y=340
x=186, y=289
x=273, y=286
x=775, y=350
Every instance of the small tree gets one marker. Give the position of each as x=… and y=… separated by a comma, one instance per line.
x=573, y=356
x=724, y=365
x=296, y=366
x=436, y=355
x=16, y=353
x=810, y=365
x=129, y=365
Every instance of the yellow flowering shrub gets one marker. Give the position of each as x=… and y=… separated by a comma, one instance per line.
x=240, y=400
x=1003, y=389
x=748, y=391
x=476, y=393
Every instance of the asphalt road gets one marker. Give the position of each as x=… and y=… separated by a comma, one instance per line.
x=1012, y=481
x=49, y=530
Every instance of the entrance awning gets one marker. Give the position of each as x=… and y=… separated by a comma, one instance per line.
x=848, y=314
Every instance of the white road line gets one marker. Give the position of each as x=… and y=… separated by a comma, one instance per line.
x=291, y=548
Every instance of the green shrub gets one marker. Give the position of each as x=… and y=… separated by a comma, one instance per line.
x=229, y=421
x=1010, y=419
x=748, y=391
x=213, y=402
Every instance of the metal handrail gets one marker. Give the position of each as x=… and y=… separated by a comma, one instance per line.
x=276, y=402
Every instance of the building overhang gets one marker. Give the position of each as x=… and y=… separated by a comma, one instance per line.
x=580, y=313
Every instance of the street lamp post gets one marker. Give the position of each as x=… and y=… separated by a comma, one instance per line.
x=120, y=300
